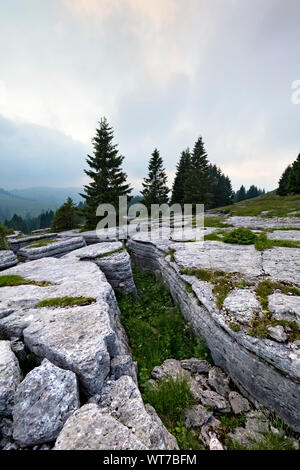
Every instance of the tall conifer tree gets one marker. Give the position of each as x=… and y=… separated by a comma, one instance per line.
x=197, y=188
x=155, y=185
x=294, y=177
x=108, y=181
x=181, y=172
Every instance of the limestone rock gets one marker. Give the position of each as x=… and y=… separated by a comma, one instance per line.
x=7, y=259
x=238, y=403
x=219, y=381
x=10, y=377
x=277, y=333
x=43, y=402
x=214, y=443
x=122, y=365
x=197, y=416
x=285, y=307
x=282, y=264
x=293, y=235
x=18, y=347
x=56, y=248
x=206, y=431
x=216, y=401
x=196, y=366
x=18, y=243
x=89, y=428
x=169, y=368
x=169, y=439
x=122, y=399
x=257, y=223
x=241, y=304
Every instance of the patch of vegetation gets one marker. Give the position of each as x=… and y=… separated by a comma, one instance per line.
x=229, y=423
x=155, y=328
x=260, y=324
x=240, y=236
x=39, y=244
x=66, y=302
x=3, y=235
x=269, y=441
x=263, y=243
x=113, y=252
x=215, y=236
x=235, y=327
x=187, y=439
x=14, y=280
x=171, y=252
x=223, y=282
x=277, y=206
x=219, y=222
x=170, y=398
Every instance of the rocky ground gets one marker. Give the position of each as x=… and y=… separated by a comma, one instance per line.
x=67, y=380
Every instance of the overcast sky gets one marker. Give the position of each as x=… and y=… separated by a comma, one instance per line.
x=163, y=72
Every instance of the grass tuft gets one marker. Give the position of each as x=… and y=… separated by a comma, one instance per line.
x=14, y=280
x=66, y=302
x=113, y=252
x=240, y=236
x=39, y=244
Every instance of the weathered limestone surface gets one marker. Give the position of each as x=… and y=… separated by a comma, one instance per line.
x=10, y=377
x=114, y=262
x=293, y=235
x=285, y=307
x=7, y=259
x=264, y=223
x=57, y=248
x=43, y=402
x=240, y=305
x=119, y=420
x=90, y=428
x=17, y=244
x=275, y=366
x=82, y=339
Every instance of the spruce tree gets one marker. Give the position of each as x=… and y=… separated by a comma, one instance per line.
x=3, y=234
x=252, y=192
x=221, y=188
x=294, y=177
x=108, y=181
x=180, y=177
x=155, y=186
x=65, y=217
x=241, y=194
x=197, y=188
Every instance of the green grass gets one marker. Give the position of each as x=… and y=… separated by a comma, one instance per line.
x=66, y=302
x=14, y=280
x=263, y=243
x=170, y=398
x=278, y=206
x=39, y=244
x=223, y=282
x=155, y=328
x=229, y=423
x=260, y=324
x=240, y=236
x=113, y=252
x=215, y=236
x=269, y=441
x=219, y=222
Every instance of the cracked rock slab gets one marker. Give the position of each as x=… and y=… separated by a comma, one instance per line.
x=285, y=307
x=56, y=248
x=43, y=402
x=122, y=399
x=89, y=428
x=10, y=377
x=241, y=304
x=282, y=264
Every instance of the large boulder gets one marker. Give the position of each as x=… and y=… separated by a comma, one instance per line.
x=10, y=377
x=122, y=399
x=90, y=428
x=43, y=402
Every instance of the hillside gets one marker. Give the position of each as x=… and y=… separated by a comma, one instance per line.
x=277, y=206
x=11, y=204
x=53, y=196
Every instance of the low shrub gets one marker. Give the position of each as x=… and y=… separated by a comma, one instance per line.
x=240, y=236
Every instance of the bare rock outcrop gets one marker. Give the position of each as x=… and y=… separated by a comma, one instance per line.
x=10, y=377
x=7, y=259
x=44, y=400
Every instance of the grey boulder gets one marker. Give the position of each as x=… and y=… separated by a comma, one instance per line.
x=10, y=377
x=43, y=402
